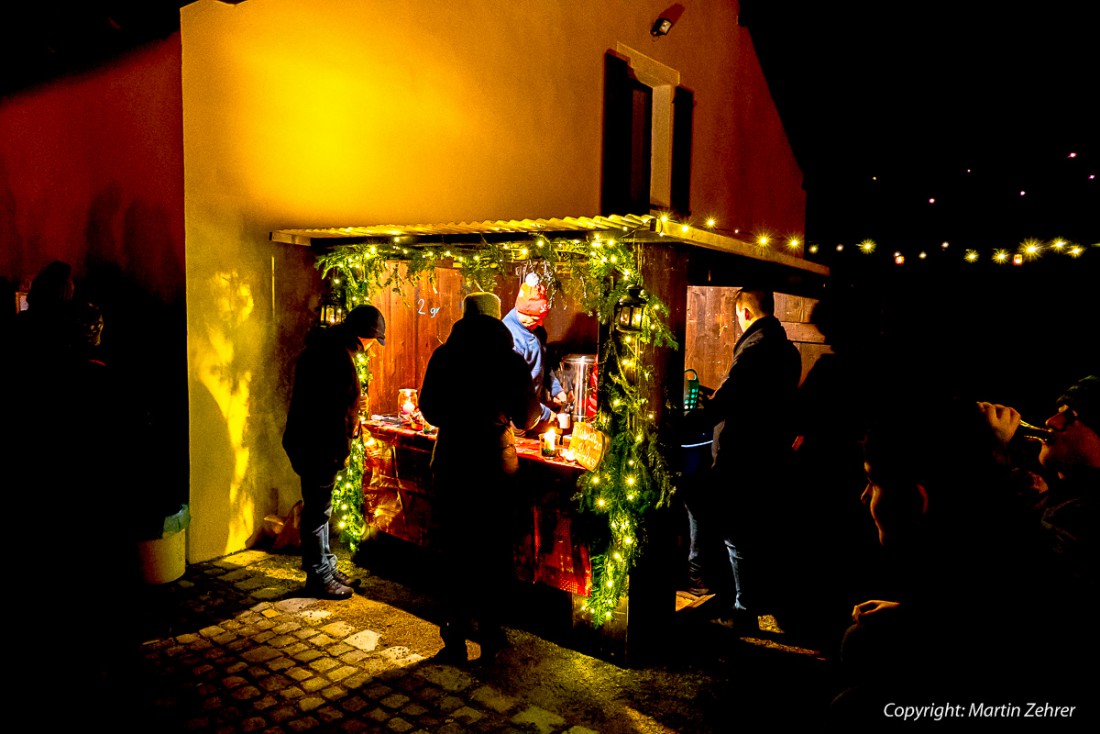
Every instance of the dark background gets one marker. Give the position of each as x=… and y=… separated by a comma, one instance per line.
x=890, y=104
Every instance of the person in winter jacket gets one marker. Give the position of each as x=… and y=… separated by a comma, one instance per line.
x=523, y=321
x=322, y=420
x=475, y=388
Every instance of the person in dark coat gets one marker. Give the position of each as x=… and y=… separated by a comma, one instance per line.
x=475, y=388
x=754, y=404
x=322, y=420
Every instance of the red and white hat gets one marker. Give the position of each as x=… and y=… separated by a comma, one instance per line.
x=532, y=300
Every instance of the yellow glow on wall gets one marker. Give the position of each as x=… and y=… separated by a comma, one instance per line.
x=217, y=368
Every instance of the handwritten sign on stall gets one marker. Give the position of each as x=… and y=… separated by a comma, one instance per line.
x=588, y=444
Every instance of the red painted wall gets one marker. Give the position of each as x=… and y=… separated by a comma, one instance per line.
x=91, y=172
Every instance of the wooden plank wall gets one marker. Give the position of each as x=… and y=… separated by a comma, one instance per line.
x=421, y=320
x=711, y=331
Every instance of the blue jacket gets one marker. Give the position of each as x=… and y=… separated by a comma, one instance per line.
x=528, y=346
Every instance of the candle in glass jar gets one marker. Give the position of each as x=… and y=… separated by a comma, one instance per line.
x=407, y=398
x=549, y=443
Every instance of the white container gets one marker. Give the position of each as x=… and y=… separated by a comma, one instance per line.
x=163, y=560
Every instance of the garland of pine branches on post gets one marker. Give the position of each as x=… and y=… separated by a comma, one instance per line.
x=633, y=477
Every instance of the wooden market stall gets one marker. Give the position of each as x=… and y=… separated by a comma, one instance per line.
x=694, y=271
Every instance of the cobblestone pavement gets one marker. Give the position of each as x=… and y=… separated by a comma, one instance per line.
x=235, y=646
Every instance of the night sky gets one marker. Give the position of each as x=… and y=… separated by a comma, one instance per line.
x=889, y=105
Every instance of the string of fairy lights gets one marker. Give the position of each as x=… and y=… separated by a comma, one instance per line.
x=1025, y=251
x=599, y=273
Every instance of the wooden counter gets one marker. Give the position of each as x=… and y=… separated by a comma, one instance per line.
x=549, y=540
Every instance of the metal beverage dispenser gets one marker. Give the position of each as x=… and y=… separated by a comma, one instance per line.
x=580, y=378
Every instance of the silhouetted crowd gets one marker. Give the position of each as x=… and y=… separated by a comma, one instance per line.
x=913, y=533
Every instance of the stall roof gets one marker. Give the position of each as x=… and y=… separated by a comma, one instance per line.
x=641, y=228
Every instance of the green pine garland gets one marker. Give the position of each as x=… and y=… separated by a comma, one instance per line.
x=634, y=476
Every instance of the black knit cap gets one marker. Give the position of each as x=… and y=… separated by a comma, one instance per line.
x=367, y=322
x=1083, y=397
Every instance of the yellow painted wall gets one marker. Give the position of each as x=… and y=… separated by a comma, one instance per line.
x=302, y=113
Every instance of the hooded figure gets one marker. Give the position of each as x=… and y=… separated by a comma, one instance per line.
x=475, y=388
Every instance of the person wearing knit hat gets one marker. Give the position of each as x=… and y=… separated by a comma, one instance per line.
x=480, y=303
x=475, y=470
x=524, y=318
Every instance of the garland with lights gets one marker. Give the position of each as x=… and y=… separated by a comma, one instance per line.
x=1029, y=250
x=598, y=273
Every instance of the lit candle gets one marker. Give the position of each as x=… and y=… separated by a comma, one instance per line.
x=549, y=443
x=407, y=397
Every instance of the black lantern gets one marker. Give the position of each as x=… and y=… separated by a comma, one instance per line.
x=329, y=312
x=629, y=311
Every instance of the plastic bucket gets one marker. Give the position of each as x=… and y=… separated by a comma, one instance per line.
x=163, y=560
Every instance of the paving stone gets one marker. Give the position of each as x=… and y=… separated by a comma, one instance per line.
x=282, y=641
x=467, y=715
x=450, y=703
x=308, y=703
x=316, y=616
x=295, y=604
x=344, y=671
x=307, y=655
x=321, y=640
x=399, y=725
x=352, y=656
x=334, y=692
x=234, y=681
x=306, y=723
x=322, y=664
x=261, y=654
x=542, y=720
x=378, y=691
x=378, y=714
x=447, y=677
x=253, y=723
x=358, y=680
x=414, y=710
x=579, y=730
x=280, y=664
x=268, y=592
x=401, y=655
x=265, y=702
x=315, y=684
x=213, y=631
x=367, y=640
x=395, y=700
x=247, y=693
x=329, y=714
x=339, y=629
x=493, y=699
x=292, y=694
x=354, y=704
x=285, y=628
x=283, y=714
x=340, y=648
x=299, y=674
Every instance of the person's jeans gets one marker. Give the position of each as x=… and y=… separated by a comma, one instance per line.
x=737, y=566
x=318, y=561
